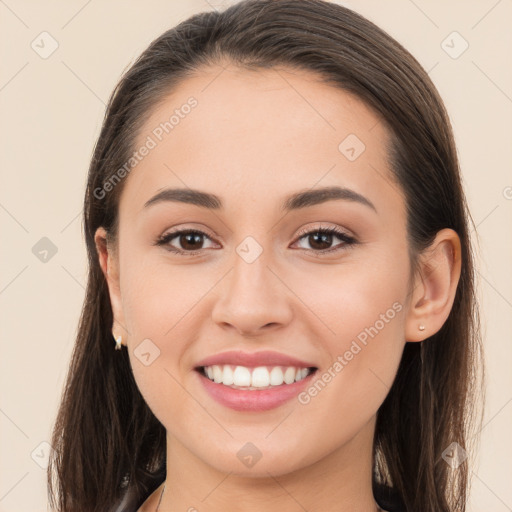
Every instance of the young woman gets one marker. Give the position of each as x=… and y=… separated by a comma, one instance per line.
x=278, y=244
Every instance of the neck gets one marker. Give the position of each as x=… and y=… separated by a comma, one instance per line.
x=341, y=481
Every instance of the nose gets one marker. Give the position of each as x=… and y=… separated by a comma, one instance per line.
x=253, y=298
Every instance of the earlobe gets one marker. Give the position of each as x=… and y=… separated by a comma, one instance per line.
x=109, y=267
x=435, y=286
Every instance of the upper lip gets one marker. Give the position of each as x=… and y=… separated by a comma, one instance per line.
x=254, y=359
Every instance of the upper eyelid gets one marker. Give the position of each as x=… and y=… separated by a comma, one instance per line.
x=301, y=233
x=323, y=227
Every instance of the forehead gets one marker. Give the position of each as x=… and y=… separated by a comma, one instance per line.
x=259, y=134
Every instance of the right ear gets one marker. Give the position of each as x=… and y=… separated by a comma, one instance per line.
x=109, y=265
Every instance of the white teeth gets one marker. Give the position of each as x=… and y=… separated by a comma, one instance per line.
x=289, y=375
x=301, y=374
x=227, y=376
x=260, y=377
x=241, y=376
x=217, y=373
x=276, y=376
x=251, y=378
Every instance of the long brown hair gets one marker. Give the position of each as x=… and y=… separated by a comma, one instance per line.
x=106, y=440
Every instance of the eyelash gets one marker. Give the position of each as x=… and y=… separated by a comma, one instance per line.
x=348, y=241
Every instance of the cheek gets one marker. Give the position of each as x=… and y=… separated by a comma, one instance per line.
x=365, y=352
x=362, y=310
x=157, y=297
x=357, y=299
x=157, y=305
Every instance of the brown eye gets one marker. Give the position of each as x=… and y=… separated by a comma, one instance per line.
x=188, y=241
x=320, y=239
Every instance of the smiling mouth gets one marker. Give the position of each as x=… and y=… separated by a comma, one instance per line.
x=257, y=378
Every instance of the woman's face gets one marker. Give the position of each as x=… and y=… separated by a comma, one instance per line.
x=256, y=280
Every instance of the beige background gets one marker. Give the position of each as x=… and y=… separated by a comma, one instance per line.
x=51, y=111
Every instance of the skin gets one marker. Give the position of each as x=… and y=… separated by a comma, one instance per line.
x=254, y=138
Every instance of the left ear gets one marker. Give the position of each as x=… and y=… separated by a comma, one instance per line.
x=434, y=286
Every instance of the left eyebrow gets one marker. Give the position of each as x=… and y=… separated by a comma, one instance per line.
x=295, y=201
x=322, y=195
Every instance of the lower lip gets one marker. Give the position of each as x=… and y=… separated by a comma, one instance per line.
x=253, y=400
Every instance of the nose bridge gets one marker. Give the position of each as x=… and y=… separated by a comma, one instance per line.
x=251, y=275
x=253, y=244
x=253, y=296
